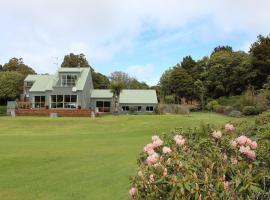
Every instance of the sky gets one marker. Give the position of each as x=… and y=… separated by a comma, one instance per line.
x=140, y=37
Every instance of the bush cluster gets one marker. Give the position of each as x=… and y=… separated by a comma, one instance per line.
x=206, y=163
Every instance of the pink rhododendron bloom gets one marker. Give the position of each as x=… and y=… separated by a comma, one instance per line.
x=241, y=140
x=225, y=157
x=226, y=185
x=165, y=172
x=233, y=143
x=132, y=192
x=155, y=137
x=157, y=143
x=149, y=148
x=152, y=178
x=152, y=159
x=166, y=150
x=229, y=127
x=200, y=197
x=251, y=154
x=234, y=161
x=179, y=140
x=244, y=149
x=253, y=145
x=217, y=134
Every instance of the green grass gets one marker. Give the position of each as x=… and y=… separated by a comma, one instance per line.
x=3, y=110
x=79, y=158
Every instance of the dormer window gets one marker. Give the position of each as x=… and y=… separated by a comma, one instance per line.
x=68, y=80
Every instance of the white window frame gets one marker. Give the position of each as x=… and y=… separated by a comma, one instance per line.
x=71, y=82
x=63, y=102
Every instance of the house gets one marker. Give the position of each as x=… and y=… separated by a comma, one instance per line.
x=72, y=89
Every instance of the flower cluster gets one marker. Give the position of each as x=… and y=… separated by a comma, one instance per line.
x=229, y=127
x=246, y=146
x=169, y=168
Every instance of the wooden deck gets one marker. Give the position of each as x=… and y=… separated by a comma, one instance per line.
x=60, y=112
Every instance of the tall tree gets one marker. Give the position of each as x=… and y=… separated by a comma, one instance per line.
x=222, y=48
x=17, y=65
x=11, y=85
x=73, y=60
x=260, y=52
x=100, y=81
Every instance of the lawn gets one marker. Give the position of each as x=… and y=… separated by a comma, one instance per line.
x=79, y=158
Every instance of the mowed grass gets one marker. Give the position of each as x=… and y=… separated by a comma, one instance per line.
x=79, y=158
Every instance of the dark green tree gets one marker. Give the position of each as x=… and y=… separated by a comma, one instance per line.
x=17, y=65
x=260, y=52
x=100, y=81
x=11, y=85
x=73, y=60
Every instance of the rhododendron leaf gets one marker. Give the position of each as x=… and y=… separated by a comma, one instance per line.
x=187, y=186
x=255, y=189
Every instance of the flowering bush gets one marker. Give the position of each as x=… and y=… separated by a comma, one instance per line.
x=205, y=163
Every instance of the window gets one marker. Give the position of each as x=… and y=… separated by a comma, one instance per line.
x=39, y=101
x=125, y=108
x=149, y=108
x=103, y=106
x=139, y=108
x=29, y=84
x=68, y=80
x=63, y=101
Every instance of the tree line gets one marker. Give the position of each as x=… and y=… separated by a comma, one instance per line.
x=224, y=73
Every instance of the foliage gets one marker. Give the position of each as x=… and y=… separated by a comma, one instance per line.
x=250, y=110
x=204, y=163
x=11, y=84
x=169, y=99
x=211, y=105
x=100, y=81
x=3, y=110
x=235, y=113
x=73, y=60
x=174, y=109
x=260, y=52
x=17, y=65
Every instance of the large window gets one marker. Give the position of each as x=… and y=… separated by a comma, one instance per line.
x=63, y=101
x=39, y=101
x=149, y=108
x=103, y=106
x=68, y=80
x=125, y=108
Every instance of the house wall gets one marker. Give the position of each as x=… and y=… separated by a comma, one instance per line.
x=138, y=104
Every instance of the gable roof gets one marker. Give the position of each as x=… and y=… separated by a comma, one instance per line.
x=43, y=83
x=101, y=93
x=138, y=96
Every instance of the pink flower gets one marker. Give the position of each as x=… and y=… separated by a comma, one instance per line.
x=234, y=161
x=229, y=127
x=132, y=192
x=253, y=145
x=152, y=159
x=217, y=134
x=149, y=148
x=156, y=141
x=200, y=197
x=225, y=157
x=244, y=149
x=179, y=140
x=165, y=172
x=152, y=178
x=241, y=140
x=226, y=185
x=233, y=143
x=251, y=154
x=166, y=150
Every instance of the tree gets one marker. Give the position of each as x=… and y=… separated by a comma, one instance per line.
x=188, y=64
x=200, y=91
x=222, y=48
x=1, y=68
x=164, y=83
x=181, y=83
x=100, y=81
x=11, y=85
x=260, y=52
x=73, y=60
x=17, y=65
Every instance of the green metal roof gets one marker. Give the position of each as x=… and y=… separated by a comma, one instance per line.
x=43, y=83
x=138, y=96
x=101, y=93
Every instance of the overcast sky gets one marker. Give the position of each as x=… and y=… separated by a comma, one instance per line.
x=141, y=37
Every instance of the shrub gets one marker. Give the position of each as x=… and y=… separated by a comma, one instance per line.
x=186, y=165
x=211, y=105
x=219, y=109
x=235, y=113
x=170, y=99
x=250, y=110
x=173, y=109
